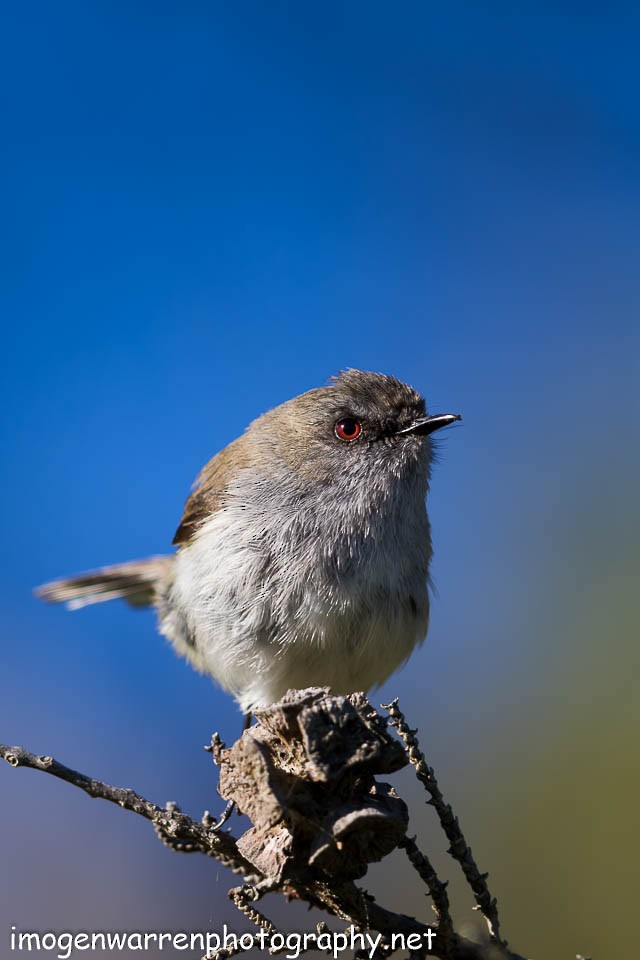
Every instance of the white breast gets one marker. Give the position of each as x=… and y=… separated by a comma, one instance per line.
x=268, y=597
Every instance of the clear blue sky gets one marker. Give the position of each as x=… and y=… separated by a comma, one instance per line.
x=210, y=207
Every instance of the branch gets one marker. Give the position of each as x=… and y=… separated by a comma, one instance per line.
x=459, y=849
x=173, y=824
x=307, y=777
x=435, y=886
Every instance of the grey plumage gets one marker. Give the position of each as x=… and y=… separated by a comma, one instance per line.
x=304, y=549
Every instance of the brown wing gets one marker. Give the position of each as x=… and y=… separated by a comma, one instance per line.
x=209, y=489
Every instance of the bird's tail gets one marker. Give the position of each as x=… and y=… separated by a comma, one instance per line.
x=139, y=582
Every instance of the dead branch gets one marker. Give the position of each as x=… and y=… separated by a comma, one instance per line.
x=176, y=828
x=306, y=775
x=458, y=847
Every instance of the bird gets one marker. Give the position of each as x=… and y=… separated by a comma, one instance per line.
x=304, y=548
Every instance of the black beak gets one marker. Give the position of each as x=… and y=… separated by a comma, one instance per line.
x=427, y=425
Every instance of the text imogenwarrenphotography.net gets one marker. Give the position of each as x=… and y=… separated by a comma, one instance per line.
x=291, y=945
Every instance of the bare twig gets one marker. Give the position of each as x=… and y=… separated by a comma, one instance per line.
x=307, y=776
x=243, y=897
x=437, y=888
x=176, y=827
x=173, y=843
x=458, y=847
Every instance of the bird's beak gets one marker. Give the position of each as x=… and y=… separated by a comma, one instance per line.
x=426, y=425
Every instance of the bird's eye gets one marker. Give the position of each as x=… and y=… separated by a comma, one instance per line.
x=348, y=429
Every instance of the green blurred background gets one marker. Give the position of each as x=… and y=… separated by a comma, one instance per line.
x=210, y=208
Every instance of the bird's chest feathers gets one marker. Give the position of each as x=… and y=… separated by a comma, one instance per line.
x=270, y=563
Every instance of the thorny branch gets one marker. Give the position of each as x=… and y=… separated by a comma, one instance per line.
x=459, y=849
x=306, y=776
x=175, y=828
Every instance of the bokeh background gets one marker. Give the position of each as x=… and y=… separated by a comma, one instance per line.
x=209, y=208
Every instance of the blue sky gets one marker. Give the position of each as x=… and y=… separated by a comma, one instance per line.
x=211, y=207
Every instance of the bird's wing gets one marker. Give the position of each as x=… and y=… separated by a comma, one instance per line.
x=209, y=489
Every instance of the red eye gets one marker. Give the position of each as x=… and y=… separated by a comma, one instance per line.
x=348, y=429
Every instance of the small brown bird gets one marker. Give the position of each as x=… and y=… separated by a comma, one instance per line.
x=304, y=549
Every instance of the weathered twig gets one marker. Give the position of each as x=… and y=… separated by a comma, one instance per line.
x=176, y=827
x=458, y=847
x=307, y=776
x=437, y=888
x=174, y=843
